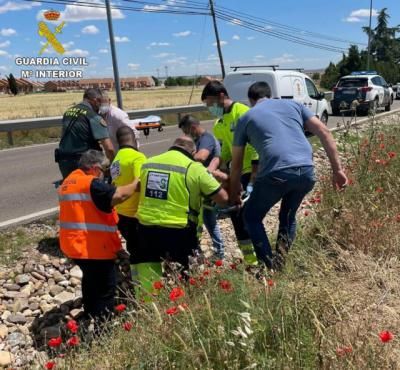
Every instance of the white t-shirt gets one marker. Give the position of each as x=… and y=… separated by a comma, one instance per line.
x=115, y=119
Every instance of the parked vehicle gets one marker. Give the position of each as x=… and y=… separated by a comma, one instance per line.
x=369, y=89
x=284, y=83
x=396, y=90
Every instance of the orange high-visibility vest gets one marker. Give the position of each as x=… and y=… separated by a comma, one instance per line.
x=85, y=231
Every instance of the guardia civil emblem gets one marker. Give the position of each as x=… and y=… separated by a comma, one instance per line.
x=45, y=31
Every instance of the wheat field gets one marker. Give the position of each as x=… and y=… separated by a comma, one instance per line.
x=54, y=104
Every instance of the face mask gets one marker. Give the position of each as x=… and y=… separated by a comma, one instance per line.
x=104, y=109
x=216, y=111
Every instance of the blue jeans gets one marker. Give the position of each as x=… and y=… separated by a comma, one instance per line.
x=289, y=185
x=211, y=224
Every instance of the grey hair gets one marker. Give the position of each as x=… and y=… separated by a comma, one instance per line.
x=92, y=158
x=92, y=93
x=186, y=143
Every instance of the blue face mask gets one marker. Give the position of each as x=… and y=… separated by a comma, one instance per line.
x=216, y=111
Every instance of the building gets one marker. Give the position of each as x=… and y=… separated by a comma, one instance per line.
x=3, y=87
x=100, y=83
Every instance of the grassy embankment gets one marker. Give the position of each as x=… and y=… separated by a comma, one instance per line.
x=55, y=104
x=338, y=292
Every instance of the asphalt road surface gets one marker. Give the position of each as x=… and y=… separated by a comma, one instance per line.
x=28, y=172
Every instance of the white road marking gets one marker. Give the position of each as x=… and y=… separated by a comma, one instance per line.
x=32, y=216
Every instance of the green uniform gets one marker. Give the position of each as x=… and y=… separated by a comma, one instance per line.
x=171, y=192
x=224, y=130
x=82, y=128
x=124, y=169
x=172, y=187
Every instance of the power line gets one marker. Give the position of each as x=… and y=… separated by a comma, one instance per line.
x=281, y=35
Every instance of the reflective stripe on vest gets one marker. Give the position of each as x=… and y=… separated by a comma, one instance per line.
x=165, y=167
x=87, y=226
x=74, y=196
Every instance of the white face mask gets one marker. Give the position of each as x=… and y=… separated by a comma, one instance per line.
x=104, y=109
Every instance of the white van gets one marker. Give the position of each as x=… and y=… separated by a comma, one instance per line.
x=285, y=84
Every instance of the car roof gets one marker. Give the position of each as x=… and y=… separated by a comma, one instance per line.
x=266, y=71
x=360, y=75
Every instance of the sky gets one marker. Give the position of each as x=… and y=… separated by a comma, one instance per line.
x=179, y=44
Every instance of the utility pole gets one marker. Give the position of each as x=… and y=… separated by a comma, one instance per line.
x=166, y=71
x=369, y=36
x=221, y=60
x=114, y=55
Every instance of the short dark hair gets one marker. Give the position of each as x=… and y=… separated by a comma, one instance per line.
x=92, y=93
x=188, y=120
x=213, y=88
x=259, y=90
x=125, y=136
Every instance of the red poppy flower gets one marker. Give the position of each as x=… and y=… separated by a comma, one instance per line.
x=226, y=285
x=201, y=279
x=72, y=326
x=73, y=341
x=233, y=266
x=342, y=351
x=382, y=146
x=270, y=282
x=398, y=218
x=386, y=336
x=306, y=212
x=219, y=263
x=180, y=277
x=127, y=326
x=158, y=285
x=192, y=281
x=172, y=311
x=54, y=342
x=121, y=307
x=49, y=365
x=176, y=293
x=61, y=355
x=206, y=272
x=392, y=154
x=379, y=190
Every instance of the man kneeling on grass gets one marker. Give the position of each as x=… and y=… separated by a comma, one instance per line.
x=88, y=230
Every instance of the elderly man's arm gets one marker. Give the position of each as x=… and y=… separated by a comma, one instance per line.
x=108, y=148
x=316, y=127
x=122, y=193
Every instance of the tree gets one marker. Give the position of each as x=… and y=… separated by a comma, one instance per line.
x=156, y=80
x=12, y=84
x=330, y=76
x=316, y=76
x=384, y=45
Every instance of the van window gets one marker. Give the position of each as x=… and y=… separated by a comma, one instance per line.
x=311, y=89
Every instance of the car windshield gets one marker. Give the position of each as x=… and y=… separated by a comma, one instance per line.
x=353, y=82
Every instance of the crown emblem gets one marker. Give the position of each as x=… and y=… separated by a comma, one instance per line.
x=51, y=15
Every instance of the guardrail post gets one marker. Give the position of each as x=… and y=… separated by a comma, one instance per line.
x=179, y=117
x=10, y=138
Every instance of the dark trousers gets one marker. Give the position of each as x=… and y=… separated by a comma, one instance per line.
x=237, y=217
x=67, y=166
x=128, y=227
x=161, y=243
x=98, y=286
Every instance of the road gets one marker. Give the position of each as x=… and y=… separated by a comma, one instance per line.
x=28, y=172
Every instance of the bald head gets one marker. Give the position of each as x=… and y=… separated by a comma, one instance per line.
x=186, y=143
x=126, y=136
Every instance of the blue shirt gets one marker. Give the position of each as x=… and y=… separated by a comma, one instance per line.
x=209, y=142
x=275, y=128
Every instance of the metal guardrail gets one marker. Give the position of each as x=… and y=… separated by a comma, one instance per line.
x=34, y=123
